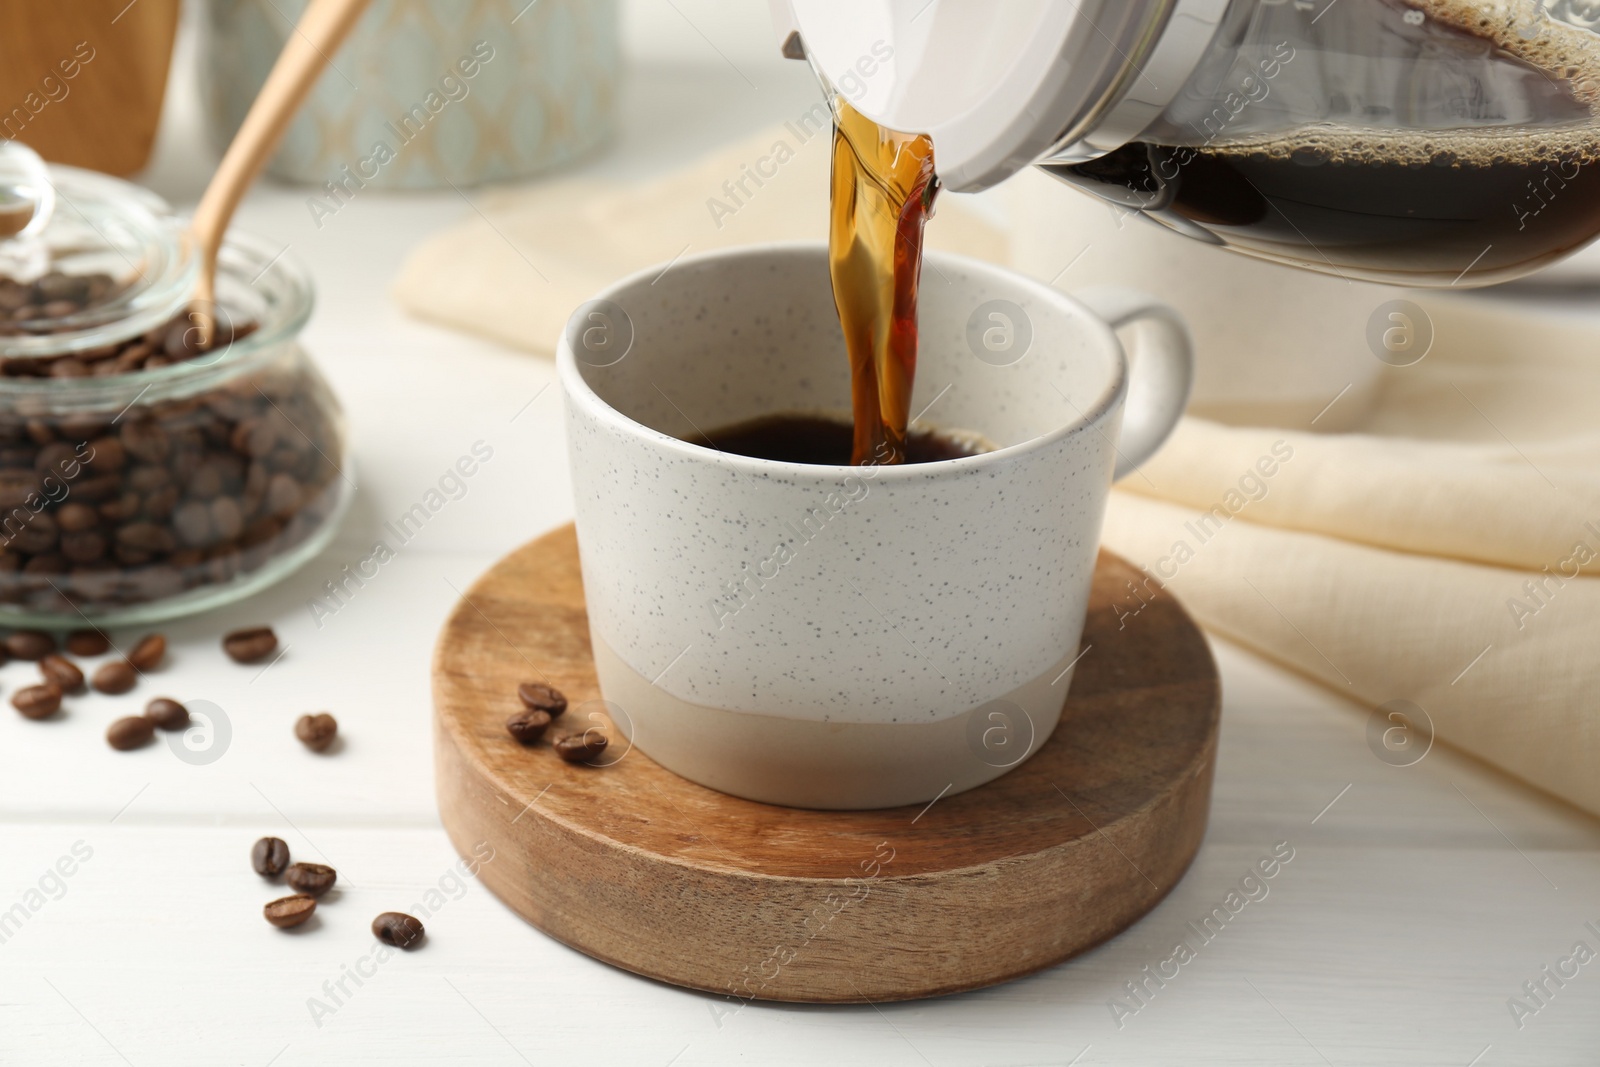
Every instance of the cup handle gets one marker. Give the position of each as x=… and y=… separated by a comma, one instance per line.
x=1161, y=368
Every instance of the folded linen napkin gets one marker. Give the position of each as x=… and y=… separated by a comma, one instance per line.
x=1445, y=552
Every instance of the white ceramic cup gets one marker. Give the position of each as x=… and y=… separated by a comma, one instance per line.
x=837, y=636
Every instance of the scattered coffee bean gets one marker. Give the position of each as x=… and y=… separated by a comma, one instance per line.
x=317, y=731
x=251, y=645
x=61, y=672
x=580, y=748
x=398, y=929
x=269, y=856
x=37, y=701
x=131, y=732
x=313, y=879
x=30, y=644
x=115, y=677
x=289, y=911
x=87, y=643
x=540, y=697
x=528, y=725
x=148, y=653
x=167, y=714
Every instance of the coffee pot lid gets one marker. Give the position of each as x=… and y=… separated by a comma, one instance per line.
x=996, y=86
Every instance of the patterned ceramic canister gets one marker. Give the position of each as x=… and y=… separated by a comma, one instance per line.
x=428, y=92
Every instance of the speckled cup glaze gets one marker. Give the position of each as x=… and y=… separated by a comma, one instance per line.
x=836, y=636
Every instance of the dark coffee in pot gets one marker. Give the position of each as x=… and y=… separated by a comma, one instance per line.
x=1472, y=209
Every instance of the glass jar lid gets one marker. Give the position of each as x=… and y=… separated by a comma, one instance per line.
x=86, y=260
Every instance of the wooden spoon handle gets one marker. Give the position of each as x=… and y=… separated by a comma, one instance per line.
x=308, y=50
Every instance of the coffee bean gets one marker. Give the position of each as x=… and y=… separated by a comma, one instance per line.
x=115, y=677
x=37, y=701
x=145, y=440
x=51, y=564
x=227, y=519
x=35, y=536
x=289, y=911
x=192, y=521
x=313, y=879
x=59, y=285
x=131, y=732
x=158, y=505
x=269, y=856
x=250, y=645
x=167, y=714
x=75, y=517
x=317, y=731
x=83, y=546
x=116, y=505
x=87, y=643
x=398, y=929
x=580, y=748
x=145, y=538
x=16, y=487
x=61, y=672
x=107, y=456
x=528, y=725
x=148, y=653
x=283, y=495
x=30, y=644
x=58, y=458
x=182, y=340
x=541, y=697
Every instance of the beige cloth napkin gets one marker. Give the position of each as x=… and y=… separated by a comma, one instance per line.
x=1446, y=554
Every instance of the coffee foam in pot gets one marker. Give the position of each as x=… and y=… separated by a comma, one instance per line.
x=1522, y=29
x=1565, y=52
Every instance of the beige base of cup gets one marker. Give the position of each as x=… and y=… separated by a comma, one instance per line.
x=803, y=763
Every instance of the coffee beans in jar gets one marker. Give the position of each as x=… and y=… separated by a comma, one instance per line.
x=104, y=510
x=146, y=469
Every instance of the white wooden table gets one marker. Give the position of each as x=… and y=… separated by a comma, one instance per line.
x=1418, y=899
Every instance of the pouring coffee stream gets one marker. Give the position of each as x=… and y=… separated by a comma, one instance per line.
x=882, y=191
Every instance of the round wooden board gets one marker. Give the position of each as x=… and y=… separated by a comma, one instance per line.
x=645, y=870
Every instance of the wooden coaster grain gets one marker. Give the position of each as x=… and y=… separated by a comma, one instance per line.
x=647, y=871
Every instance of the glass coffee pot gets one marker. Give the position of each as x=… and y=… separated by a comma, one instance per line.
x=1421, y=142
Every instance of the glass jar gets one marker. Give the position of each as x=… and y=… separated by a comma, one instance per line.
x=142, y=478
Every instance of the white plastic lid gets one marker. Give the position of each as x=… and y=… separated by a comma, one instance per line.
x=996, y=85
